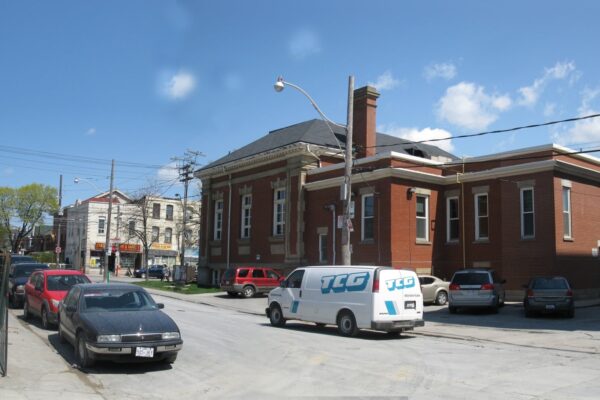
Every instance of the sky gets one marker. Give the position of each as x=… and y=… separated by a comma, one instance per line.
x=141, y=82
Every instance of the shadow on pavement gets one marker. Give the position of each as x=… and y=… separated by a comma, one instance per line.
x=66, y=351
x=513, y=317
x=331, y=330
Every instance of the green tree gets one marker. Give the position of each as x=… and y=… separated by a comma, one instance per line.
x=21, y=209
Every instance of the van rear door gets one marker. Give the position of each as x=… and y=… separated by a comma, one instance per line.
x=398, y=296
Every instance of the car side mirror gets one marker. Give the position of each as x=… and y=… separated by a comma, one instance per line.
x=283, y=284
x=160, y=306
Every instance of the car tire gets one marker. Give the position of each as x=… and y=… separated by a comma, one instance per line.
x=452, y=309
x=26, y=313
x=232, y=294
x=248, y=291
x=44, y=315
x=276, y=316
x=13, y=301
x=171, y=359
x=494, y=307
x=441, y=298
x=61, y=335
x=347, y=324
x=84, y=358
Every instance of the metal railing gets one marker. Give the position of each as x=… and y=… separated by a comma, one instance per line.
x=4, y=267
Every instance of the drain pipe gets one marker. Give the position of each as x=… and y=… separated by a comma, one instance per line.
x=331, y=208
x=229, y=224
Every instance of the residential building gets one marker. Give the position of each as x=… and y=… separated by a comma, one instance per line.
x=276, y=202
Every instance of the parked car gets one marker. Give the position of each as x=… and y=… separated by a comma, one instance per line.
x=476, y=287
x=549, y=295
x=154, y=271
x=250, y=280
x=435, y=290
x=119, y=322
x=18, y=276
x=44, y=291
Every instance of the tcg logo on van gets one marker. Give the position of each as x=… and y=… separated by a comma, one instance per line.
x=400, y=283
x=355, y=282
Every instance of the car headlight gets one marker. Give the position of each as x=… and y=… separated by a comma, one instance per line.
x=170, y=335
x=108, y=338
x=55, y=303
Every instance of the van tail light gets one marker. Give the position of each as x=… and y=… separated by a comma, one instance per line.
x=530, y=293
x=454, y=286
x=569, y=293
x=376, y=283
x=487, y=286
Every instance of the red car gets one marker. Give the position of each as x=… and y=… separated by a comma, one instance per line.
x=44, y=291
x=250, y=280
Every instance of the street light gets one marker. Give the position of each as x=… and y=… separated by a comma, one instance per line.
x=345, y=190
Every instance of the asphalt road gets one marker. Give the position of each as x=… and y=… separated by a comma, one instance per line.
x=233, y=354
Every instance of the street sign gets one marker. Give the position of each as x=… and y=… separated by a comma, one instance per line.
x=57, y=250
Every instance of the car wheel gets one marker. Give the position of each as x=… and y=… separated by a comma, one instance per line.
x=347, y=324
x=83, y=355
x=276, y=316
x=61, y=335
x=45, y=322
x=494, y=307
x=26, y=313
x=249, y=291
x=171, y=359
x=13, y=302
x=452, y=309
x=441, y=298
x=232, y=294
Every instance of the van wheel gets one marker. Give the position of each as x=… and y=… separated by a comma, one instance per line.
x=248, y=291
x=441, y=298
x=347, y=324
x=276, y=316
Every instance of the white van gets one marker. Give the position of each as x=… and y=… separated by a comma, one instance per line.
x=351, y=297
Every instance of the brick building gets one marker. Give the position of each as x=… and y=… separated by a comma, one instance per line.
x=276, y=201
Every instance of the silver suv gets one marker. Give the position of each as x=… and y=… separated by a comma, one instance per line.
x=476, y=287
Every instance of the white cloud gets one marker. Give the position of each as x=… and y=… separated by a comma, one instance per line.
x=179, y=86
x=90, y=132
x=385, y=81
x=549, y=109
x=587, y=130
x=531, y=94
x=304, y=43
x=8, y=171
x=168, y=172
x=467, y=105
x=421, y=135
x=443, y=70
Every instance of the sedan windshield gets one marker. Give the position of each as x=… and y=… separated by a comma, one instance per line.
x=117, y=300
x=64, y=282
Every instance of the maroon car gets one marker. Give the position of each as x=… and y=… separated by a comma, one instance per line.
x=250, y=280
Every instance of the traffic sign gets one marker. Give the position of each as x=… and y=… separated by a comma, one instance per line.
x=57, y=250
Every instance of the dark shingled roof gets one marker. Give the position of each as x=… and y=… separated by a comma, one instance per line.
x=316, y=132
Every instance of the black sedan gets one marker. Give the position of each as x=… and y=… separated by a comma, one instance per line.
x=155, y=271
x=119, y=322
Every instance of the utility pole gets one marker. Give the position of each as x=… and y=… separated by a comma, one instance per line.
x=107, y=248
x=346, y=192
x=60, y=214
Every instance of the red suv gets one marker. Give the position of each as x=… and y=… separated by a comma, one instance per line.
x=44, y=291
x=250, y=280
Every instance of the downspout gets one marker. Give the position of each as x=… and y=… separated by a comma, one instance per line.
x=229, y=223
x=332, y=209
x=462, y=202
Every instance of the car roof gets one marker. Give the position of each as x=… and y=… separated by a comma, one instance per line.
x=99, y=286
x=62, y=272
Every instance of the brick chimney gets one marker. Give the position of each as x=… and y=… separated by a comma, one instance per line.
x=364, y=121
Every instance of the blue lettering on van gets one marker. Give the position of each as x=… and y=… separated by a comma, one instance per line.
x=354, y=282
x=400, y=283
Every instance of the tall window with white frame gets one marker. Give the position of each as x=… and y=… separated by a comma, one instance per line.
x=218, y=220
x=481, y=217
x=278, y=212
x=155, y=234
x=367, y=230
x=527, y=214
x=131, y=228
x=452, y=220
x=422, y=218
x=566, y=198
x=246, y=216
x=323, y=248
x=101, y=225
x=168, y=235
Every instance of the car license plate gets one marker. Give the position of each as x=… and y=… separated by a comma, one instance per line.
x=550, y=306
x=410, y=305
x=144, y=352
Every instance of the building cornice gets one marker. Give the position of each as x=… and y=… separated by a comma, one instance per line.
x=536, y=149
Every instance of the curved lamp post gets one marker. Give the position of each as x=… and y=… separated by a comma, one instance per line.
x=345, y=190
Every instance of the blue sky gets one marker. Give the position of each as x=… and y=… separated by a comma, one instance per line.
x=142, y=81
